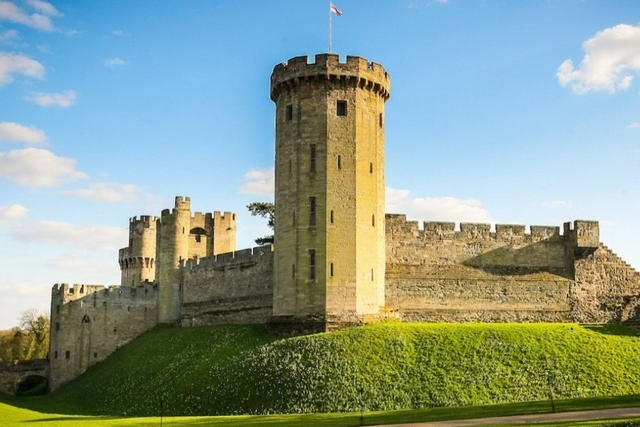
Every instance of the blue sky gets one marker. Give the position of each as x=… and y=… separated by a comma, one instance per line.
x=501, y=111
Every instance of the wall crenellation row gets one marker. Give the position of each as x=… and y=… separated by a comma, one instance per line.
x=244, y=256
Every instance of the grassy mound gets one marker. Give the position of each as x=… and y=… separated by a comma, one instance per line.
x=242, y=369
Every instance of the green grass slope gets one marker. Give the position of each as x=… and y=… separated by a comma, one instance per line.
x=387, y=366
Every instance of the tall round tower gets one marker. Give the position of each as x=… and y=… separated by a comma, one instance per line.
x=137, y=261
x=329, y=190
x=173, y=233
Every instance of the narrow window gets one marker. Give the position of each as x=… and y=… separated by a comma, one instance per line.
x=380, y=119
x=57, y=326
x=95, y=355
x=312, y=264
x=339, y=161
x=372, y=274
x=289, y=112
x=293, y=270
x=331, y=269
x=331, y=217
x=55, y=354
x=341, y=108
x=312, y=211
x=370, y=167
x=290, y=167
x=67, y=354
x=58, y=309
x=373, y=220
x=312, y=157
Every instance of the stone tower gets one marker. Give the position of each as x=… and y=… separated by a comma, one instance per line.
x=137, y=261
x=180, y=236
x=329, y=191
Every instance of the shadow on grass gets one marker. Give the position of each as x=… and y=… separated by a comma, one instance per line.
x=614, y=329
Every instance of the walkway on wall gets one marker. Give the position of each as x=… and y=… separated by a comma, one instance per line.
x=602, y=414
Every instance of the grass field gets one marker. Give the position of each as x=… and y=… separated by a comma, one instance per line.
x=381, y=367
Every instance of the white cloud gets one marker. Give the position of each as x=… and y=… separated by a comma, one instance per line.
x=555, y=204
x=35, y=167
x=634, y=125
x=260, y=182
x=10, y=131
x=11, y=64
x=106, y=192
x=96, y=237
x=114, y=62
x=12, y=213
x=611, y=59
x=11, y=12
x=44, y=7
x=8, y=36
x=436, y=209
x=118, y=33
x=64, y=99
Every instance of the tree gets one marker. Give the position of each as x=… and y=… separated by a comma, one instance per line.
x=264, y=210
x=36, y=325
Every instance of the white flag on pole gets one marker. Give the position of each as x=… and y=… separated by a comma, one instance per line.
x=336, y=10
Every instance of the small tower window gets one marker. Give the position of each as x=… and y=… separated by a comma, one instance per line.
x=57, y=326
x=339, y=161
x=341, y=108
x=373, y=220
x=331, y=269
x=67, y=354
x=312, y=157
x=312, y=264
x=372, y=274
x=289, y=112
x=55, y=354
x=58, y=309
x=370, y=167
x=380, y=119
x=331, y=217
x=290, y=166
x=293, y=270
x=312, y=211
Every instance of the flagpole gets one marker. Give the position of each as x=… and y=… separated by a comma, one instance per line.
x=330, y=19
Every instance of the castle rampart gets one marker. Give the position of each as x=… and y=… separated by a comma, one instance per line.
x=235, y=287
x=89, y=322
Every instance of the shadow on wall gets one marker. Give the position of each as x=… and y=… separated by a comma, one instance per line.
x=541, y=257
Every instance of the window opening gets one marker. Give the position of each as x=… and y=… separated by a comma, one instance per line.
x=293, y=270
x=312, y=157
x=312, y=264
x=331, y=217
x=370, y=167
x=67, y=354
x=289, y=112
x=341, y=108
x=339, y=161
x=373, y=220
x=331, y=269
x=372, y=274
x=312, y=211
x=380, y=119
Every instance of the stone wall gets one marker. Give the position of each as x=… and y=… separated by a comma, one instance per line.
x=11, y=375
x=89, y=322
x=235, y=287
x=439, y=274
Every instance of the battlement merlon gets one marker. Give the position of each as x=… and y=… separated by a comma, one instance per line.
x=146, y=220
x=244, y=256
x=361, y=72
x=583, y=234
x=181, y=204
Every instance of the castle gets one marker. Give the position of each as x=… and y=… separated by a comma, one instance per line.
x=337, y=259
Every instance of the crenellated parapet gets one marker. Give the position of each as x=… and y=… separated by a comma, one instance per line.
x=244, y=257
x=397, y=224
x=355, y=72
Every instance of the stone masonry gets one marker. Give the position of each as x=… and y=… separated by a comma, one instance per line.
x=337, y=259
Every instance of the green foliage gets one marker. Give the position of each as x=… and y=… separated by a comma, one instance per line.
x=386, y=366
x=264, y=210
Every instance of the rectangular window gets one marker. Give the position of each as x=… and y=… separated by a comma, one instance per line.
x=312, y=211
x=57, y=326
x=312, y=264
x=95, y=355
x=380, y=119
x=331, y=217
x=339, y=161
x=341, y=108
x=58, y=309
x=289, y=112
x=55, y=354
x=331, y=269
x=312, y=157
x=67, y=354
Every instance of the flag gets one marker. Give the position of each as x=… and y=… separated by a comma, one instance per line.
x=336, y=10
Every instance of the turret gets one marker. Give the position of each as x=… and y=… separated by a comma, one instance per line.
x=329, y=190
x=138, y=260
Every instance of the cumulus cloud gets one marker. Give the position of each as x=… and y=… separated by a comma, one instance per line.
x=260, y=182
x=12, y=13
x=12, y=64
x=44, y=7
x=612, y=58
x=114, y=62
x=8, y=36
x=64, y=99
x=634, y=125
x=12, y=213
x=94, y=237
x=106, y=192
x=35, y=167
x=436, y=208
x=14, y=132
